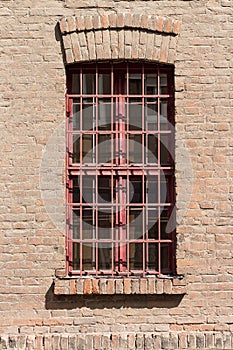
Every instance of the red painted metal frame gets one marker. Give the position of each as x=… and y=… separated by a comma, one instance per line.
x=119, y=169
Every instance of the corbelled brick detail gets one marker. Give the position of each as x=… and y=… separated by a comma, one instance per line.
x=123, y=36
x=150, y=285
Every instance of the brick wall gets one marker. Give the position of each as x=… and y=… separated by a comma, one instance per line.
x=32, y=215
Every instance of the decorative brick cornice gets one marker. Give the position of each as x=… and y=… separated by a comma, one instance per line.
x=150, y=285
x=122, y=36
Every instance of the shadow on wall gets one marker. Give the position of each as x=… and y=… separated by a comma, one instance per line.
x=59, y=302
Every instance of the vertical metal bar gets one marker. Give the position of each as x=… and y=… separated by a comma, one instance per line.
x=81, y=223
x=117, y=226
x=127, y=224
x=96, y=223
x=113, y=213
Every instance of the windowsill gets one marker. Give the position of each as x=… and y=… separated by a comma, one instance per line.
x=176, y=285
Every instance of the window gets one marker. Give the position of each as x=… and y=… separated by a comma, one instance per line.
x=120, y=171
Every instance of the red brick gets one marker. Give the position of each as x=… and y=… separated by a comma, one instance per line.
x=87, y=286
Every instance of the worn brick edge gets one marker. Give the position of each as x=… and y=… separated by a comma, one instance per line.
x=150, y=285
x=152, y=23
x=123, y=341
x=122, y=36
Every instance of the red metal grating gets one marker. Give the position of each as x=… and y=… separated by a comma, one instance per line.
x=120, y=169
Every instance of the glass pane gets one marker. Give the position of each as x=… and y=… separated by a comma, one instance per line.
x=164, y=190
x=135, y=116
x=151, y=84
x=88, y=116
x=88, y=253
x=135, y=189
x=152, y=256
x=135, y=256
x=152, y=189
x=135, y=84
x=152, y=149
x=151, y=116
x=88, y=153
x=104, y=189
x=76, y=256
x=76, y=148
x=105, y=223
x=163, y=114
x=104, y=84
x=136, y=221
x=153, y=224
x=76, y=191
x=164, y=154
x=105, y=258
x=163, y=84
x=104, y=114
x=76, y=116
x=88, y=189
x=104, y=148
x=75, y=89
x=135, y=148
x=164, y=257
x=88, y=223
x=89, y=84
x=76, y=224
x=163, y=224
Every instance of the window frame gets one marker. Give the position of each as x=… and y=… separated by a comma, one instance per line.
x=118, y=97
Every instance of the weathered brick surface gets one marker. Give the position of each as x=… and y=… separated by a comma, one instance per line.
x=140, y=27
x=124, y=341
x=67, y=286
x=34, y=313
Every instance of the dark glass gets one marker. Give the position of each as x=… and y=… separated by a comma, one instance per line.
x=104, y=114
x=151, y=84
x=151, y=116
x=104, y=189
x=152, y=257
x=135, y=148
x=163, y=114
x=135, y=115
x=76, y=116
x=163, y=224
x=104, y=148
x=76, y=224
x=152, y=149
x=88, y=254
x=165, y=257
x=136, y=256
x=105, y=258
x=153, y=224
x=164, y=153
x=76, y=256
x=163, y=84
x=135, y=84
x=76, y=148
x=76, y=191
x=75, y=88
x=104, y=84
x=136, y=223
x=88, y=189
x=88, y=155
x=88, y=223
x=89, y=84
x=135, y=189
x=88, y=116
x=152, y=189
x=104, y=223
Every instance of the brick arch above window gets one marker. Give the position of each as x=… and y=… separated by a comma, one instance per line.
x=119, y=36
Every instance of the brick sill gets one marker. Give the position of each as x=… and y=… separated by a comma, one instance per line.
x=108, y=286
